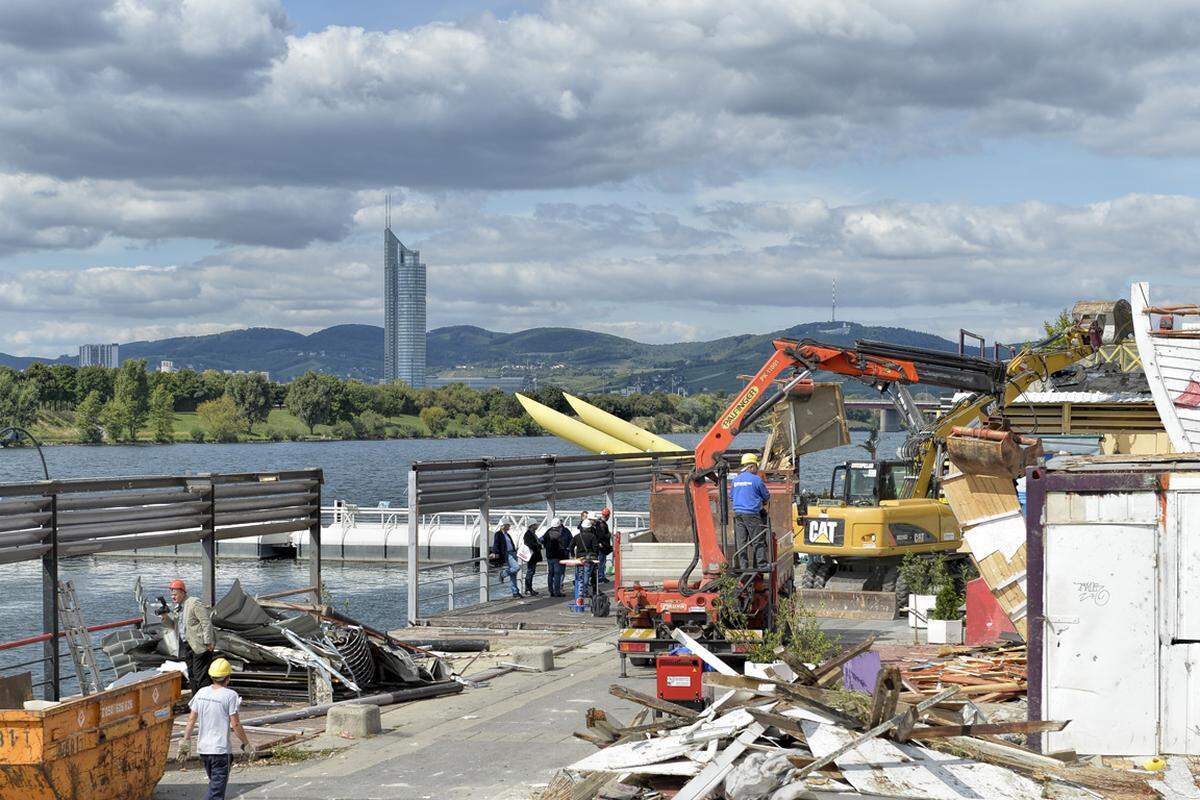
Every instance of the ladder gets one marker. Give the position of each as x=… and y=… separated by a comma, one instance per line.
x=78, y=640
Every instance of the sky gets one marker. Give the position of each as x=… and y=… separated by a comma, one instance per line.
x=665, y=170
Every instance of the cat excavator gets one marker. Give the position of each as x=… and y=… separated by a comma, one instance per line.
x=878, y=511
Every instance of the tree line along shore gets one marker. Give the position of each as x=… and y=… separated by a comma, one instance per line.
x=61, y=403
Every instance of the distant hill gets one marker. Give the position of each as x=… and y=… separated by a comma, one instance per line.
x=609, y=362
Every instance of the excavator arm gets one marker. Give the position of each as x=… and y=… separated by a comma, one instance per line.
x=876, y=363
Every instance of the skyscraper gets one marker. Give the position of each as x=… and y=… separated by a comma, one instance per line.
x=99, y=355
x=403, y=312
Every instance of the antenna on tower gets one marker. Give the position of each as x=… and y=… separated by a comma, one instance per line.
x=833, y=309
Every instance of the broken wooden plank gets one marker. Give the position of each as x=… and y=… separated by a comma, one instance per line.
x=702, y=652
x=878, y=729
x=664, y=706
x=804, y=675
x=597, y=721
x=942, y=731
x=712, y=775
x=887, y=694
x=835, y=663
x=883, y=767
x=799, y=695
x=591, y=738
x=789, y=725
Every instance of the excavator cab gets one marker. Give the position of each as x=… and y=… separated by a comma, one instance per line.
x=865, y=483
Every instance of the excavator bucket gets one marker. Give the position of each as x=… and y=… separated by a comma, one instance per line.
x=978, y=451
x=1113, y=319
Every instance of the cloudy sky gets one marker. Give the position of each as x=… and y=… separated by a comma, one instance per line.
x=662, y=169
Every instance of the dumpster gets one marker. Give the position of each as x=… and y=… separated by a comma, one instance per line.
x=107, y=746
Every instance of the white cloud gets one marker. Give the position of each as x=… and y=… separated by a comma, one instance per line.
x=927, y=266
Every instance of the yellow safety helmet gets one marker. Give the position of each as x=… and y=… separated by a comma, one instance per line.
x=219, y=668
x=749, y=458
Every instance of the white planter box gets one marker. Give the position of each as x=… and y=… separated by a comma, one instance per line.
x=921, y=604
x=945, y=631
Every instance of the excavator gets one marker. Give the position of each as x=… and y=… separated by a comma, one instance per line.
x=695, y=601
x=878, y=511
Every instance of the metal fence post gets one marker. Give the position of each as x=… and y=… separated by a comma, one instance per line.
x=208, y=549
x=51, y=686
x=414, y=552
x=314, y=553
x=485, y=545
x=450, y=594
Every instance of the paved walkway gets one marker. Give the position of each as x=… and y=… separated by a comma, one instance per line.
x=501, y=742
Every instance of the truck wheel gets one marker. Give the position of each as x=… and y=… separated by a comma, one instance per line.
x=815, y=575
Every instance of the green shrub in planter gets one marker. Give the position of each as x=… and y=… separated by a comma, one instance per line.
x=924, y=574
x=948, y=601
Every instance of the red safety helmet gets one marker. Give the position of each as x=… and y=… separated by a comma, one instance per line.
x=178, y=584
x=606, y=512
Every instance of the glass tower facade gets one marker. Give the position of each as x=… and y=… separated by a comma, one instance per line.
x=404, y=313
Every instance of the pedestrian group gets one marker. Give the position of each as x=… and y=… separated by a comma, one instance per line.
x=592, y=540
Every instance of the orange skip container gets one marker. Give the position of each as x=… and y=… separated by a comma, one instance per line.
x=107, y=746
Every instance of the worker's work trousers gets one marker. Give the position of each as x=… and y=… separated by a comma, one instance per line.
x=197, y=664
x=554, y=578
x=217, y=770
x=750, y=541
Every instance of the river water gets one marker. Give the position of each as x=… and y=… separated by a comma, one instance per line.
x=365, y=473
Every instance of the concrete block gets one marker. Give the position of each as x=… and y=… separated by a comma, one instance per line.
x=358, y=720
x=540, y=658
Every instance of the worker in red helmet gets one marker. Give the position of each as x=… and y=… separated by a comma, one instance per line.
x=603, y=536
x=193, y=626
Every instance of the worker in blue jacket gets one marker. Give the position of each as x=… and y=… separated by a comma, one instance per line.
x=748, y=493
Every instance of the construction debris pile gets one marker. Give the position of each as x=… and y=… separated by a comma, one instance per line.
x=315, y=655
x=785, y=737
x=987, y=674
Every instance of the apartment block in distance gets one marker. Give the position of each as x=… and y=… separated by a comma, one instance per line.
x=99, y=355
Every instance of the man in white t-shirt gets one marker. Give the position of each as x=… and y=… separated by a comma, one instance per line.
x=216, y=709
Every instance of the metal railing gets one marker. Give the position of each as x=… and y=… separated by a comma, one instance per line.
x=475, y=566
x=341, y=519
x=52, y=519
x=476, y=486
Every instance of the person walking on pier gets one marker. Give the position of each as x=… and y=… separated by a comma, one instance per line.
x=193, y=626
x=748, y=492
x=505, y=552
x=535, y=557
x=603, y=542
x=215, y=708
x=552, y=540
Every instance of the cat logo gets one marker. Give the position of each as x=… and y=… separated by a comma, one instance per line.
x=825, y=531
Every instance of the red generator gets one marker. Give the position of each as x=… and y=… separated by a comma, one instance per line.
x=678, y=679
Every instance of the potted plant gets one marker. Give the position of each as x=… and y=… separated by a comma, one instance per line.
x=945, y=626
x=923, y=576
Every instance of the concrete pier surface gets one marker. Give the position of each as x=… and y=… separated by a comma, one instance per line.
x=504, y=741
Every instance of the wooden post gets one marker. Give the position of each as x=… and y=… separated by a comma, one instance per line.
x=414, y=552
x=484, y=545
x=208, y=550
x=51, y=669
x=314, y=552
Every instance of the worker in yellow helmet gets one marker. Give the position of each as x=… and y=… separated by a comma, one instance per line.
x=215, y=707
x=748, y=494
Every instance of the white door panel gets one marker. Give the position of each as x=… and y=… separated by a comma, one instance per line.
x=1101, y=643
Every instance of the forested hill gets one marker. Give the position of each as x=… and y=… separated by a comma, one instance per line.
x=610, y=361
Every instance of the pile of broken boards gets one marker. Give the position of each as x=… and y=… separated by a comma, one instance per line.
x=785, y=737
x=995, y=673
x=316, y=655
